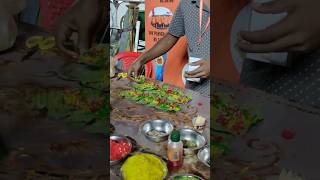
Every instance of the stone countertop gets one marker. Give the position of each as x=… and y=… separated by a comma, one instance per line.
x=264, y=152
x=127, y=118
x=39, y=147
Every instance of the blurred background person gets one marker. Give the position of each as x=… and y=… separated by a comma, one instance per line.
x=297, y=33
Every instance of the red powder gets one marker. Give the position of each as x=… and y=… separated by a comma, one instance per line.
x=119, y=149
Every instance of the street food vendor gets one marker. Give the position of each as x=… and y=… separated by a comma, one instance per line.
x=191, y=19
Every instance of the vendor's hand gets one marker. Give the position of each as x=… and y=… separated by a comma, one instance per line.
x=298, y=32
x=135, y=68
x=83, y=19
x=203, y=71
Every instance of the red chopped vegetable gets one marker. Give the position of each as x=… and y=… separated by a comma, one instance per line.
x=200, y=104
x=288, y=134
x=119, y=149
x=222, y=120
x=238, y=127
x=169, y=91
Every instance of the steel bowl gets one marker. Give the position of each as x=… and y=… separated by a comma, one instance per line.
x=162, y=161
x=204, y=155
x=185, y=176
x=192, y=135
x=118, y=138
x=158, y=125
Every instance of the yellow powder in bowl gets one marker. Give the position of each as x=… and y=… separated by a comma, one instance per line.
x=144, y=167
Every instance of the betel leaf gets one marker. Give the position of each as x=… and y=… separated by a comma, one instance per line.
x=103, y=113
x=165, y=87
x=74, y=106
x=98, y=127
x=39, y=101
x=177, y=108
x=250, y=119
x=92, y=76
x=101, y=62
x=218, y=150
x=164, y=107
x=79, y=119
x=156, y=95
x=229, y=118
x=96, y=56
x=141, y=101
x=140, y=79
x=58, y=113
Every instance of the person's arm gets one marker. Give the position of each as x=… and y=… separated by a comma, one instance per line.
x=163, y=46
x=84, y=19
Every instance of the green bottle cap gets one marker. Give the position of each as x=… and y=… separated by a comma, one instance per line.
x=175, y=136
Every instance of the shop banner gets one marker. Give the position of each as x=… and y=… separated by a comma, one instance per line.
x=227, y=59
x=169, y=67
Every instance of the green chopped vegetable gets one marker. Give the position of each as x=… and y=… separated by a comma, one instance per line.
x=185, y=178
x=189, y=144
x=81, y=108
x=154, y=95
x=96, y=56
x=230, y=117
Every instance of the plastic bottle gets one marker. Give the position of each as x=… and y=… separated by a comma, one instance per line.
x=175, y=151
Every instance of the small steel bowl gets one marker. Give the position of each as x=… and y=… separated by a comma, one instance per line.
x=204, y=155
x=158, y=125
x=191, y=135
x=162, y=161
x=185, y=176
x=118, y=138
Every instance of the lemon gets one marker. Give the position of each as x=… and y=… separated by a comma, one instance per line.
x=47, y=43
x=34, y=41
